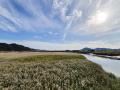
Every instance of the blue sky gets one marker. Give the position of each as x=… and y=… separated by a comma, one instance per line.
x=60, y=24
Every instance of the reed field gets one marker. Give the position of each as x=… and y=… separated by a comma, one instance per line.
x=52, y=71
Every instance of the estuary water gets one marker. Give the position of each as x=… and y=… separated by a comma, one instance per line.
x=109, y=65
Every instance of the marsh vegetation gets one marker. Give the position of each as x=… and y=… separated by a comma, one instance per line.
x=60, y=71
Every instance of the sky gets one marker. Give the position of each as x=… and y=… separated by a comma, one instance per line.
x=61, y=24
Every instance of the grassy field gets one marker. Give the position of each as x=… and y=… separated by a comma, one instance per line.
x=52, y=71
x=12, y=55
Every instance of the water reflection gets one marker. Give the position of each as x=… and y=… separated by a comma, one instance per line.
x=108, y=65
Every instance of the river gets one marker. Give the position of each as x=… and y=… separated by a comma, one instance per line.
x=109, y=65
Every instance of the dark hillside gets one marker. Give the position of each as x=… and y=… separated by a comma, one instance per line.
x=13, y=47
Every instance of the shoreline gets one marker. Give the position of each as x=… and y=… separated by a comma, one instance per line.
x=106, y=56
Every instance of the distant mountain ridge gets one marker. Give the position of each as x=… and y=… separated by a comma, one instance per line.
x=101, y=51
x=13, y=47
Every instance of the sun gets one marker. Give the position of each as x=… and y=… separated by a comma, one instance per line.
x=100, y=17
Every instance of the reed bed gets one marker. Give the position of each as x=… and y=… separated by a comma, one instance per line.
x=55, y=72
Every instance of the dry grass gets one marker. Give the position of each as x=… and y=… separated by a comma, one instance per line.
x=59, y=71
x=9, y=55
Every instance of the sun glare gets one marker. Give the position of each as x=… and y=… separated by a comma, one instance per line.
x=100, y=17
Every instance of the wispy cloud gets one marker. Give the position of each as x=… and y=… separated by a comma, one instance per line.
x=74, y=15
x=25, y=15
x=60, y=20
x=111, y=8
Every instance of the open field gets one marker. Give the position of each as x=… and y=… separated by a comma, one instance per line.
x=52, y=71
x=9, y=55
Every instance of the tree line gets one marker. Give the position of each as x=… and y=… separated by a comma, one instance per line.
x=13, y=47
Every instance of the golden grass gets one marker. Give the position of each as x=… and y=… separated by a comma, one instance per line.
x=59, y=71
x=11, y=55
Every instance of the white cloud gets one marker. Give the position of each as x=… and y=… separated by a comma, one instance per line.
x=71, y=13
x=64, y=46
x=110, y=7
x=61, y=7
x=67, y=17
x=69, y=46
x=38, y=21
x=4, y=25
